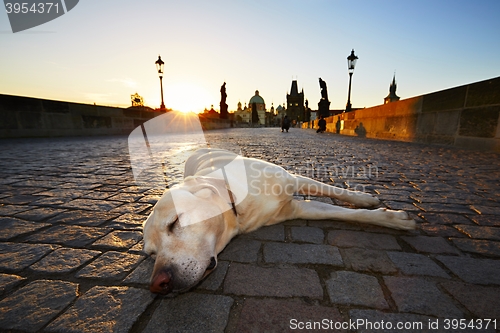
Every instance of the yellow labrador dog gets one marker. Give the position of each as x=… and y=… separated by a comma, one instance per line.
x=223, y=195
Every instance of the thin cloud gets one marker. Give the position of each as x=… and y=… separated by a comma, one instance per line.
x=127, y=82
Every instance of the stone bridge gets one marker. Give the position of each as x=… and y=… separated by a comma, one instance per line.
x=71, y=241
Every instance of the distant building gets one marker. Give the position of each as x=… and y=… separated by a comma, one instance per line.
x=295, y=103
x=281, y=111
x=392, y=97
x=210, y=113
x=271, y=116
x=260, y=106
x=244, y=115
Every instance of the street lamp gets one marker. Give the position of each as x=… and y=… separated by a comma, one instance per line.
x=159, y=66
x=351, y=62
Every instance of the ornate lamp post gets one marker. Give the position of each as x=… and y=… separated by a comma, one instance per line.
x=351, y=62
x=159, y=66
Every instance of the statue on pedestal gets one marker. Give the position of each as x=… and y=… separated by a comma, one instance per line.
x=324, y=103
x=223, y=106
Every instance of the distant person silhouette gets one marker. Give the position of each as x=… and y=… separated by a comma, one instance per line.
x=360, y=130
x=285, y=124
x=338, y=125
x=321, y=125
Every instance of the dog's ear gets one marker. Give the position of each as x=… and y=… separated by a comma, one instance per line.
x=205, y=186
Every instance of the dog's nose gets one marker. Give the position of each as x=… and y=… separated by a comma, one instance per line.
x=213, y=263
x=161, y=282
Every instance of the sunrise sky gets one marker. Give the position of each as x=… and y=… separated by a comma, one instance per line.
x=104, y=51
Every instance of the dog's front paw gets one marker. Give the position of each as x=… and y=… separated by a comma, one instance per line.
x=364, y=200
x=397, y=219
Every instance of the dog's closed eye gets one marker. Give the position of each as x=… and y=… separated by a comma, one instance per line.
x=172, y=225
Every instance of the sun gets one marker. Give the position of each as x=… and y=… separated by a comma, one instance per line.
x=187, y=97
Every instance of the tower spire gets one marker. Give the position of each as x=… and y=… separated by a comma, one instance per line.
x=392, y=97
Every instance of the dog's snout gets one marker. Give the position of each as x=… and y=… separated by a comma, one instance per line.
x=213, y=263
x=162, y=282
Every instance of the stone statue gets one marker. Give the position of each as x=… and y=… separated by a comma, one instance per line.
x=223, y=106
x=324, y=103
x=223, y=94
x=324, y=92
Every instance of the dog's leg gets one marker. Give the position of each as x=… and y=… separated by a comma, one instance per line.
x=315, y=210
x=308, y=186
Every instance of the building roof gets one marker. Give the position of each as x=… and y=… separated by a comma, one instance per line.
x=256, y=99
x=294, y=90
x=392, y=97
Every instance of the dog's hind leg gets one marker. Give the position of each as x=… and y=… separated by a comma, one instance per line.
x=308, y=186
x=315, y=210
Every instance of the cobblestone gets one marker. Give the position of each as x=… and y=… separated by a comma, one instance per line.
x=241, y=250
x=111, y=265
x=478, y=246
x=472, y=270
x=421, y=296
x=103, y=309
x=352, y=288
x=278, y=282
x=365, y=260
x=118, y=240
x=345, y=238
x=308, y=234
x=302, y=254
x=71, y=220
x=273, y=315
x=191, y=313
x=482, y=301
x=37, y=303
x=478, y=232
x=416, y=264
x=13, y=227
x=271, y=233
x=63, y=260
x=15, y=257
x=374, y=316
x=430, y=245
x=83, y=218
x=9, y=281
x=68, y=235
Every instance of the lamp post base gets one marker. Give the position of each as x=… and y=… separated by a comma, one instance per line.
x=348, y=107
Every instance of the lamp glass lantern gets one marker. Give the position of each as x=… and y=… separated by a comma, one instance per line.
x=351, y=62
x=159, y=66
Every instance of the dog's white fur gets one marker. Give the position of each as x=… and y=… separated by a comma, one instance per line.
x=187, y=235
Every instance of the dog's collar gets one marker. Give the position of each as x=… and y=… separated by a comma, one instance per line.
x=234, y=209
x=231, y=199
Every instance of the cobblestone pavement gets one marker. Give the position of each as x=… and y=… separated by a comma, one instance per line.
x=71, y=260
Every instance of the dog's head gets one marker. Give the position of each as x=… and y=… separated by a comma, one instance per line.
x=187, y=228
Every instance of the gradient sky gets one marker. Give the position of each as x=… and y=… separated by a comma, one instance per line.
x=104, y=51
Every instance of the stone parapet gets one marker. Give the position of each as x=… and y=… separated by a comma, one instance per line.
x=32, y=117
x=467, y=116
